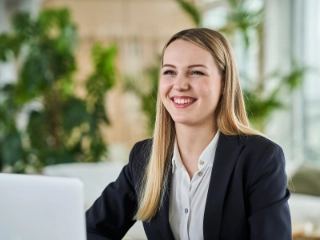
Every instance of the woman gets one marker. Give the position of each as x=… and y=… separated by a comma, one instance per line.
x=205, y=174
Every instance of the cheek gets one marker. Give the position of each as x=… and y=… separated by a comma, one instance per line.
x=164, y=89
x=213, y=93
x=216, y=88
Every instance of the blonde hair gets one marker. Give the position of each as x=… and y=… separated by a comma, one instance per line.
x=230, y=116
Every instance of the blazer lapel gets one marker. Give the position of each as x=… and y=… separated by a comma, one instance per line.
x=226, y=156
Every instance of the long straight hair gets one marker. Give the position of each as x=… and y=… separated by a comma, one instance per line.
x=230, y=117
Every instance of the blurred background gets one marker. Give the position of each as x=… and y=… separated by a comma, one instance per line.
x=78, y=83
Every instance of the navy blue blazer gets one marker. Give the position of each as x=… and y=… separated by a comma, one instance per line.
x=247, y=196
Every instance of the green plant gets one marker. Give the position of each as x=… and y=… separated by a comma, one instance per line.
x=64, y=127
x=261, y=97
x=245, y=21
x=261, y=101
x=147, y=94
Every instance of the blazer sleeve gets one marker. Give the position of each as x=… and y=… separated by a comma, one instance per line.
x=269, y=214
x=111, y=215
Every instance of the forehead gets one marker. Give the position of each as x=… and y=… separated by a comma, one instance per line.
x=180, y=51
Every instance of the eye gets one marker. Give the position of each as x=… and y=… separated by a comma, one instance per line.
x=168, y=72
x=196, y=73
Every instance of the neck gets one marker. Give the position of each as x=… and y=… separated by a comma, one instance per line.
x=191, y=142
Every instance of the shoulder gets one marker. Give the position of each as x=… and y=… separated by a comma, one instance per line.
x=253, y=150
x=251, y=143
x=259, y=143
x=142, y=148
x=262, y=148
x=139, y=157
x=262, y=155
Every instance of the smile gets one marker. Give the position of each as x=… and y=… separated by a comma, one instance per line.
x=182, y=101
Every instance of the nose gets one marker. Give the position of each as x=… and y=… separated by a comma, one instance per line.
x=181, y=83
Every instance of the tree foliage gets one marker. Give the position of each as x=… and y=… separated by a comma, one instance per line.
x=64, y=127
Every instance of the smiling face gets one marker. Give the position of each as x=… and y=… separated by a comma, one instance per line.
x=190, y=84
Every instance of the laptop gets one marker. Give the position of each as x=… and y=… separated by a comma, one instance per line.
x=35, y=207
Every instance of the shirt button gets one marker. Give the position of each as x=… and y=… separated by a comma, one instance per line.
x=186, y=210
x=200, y=174
x=201, y=162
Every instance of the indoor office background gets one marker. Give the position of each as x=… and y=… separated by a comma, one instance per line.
x=276, y=43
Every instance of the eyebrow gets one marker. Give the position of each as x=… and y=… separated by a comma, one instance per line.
x=191, y=66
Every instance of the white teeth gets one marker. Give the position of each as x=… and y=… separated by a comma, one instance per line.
x=183, y=101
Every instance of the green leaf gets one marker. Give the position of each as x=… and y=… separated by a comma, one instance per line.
x=24, y=26
x=294, y=78
x=9, y=47
x=101, y=80
x=148, y=98
x=97, y=149
x=37, y=132
x=66, y=128
x=11, y=147
x=59, y=157
x=74, y=113
x=104, y=64
x=51, y=20
x=243, y=20
x=192, y=11
x=259, y=109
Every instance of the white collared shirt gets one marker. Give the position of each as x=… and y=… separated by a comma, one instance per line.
x=188, y=197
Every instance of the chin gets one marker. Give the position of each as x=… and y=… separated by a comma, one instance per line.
x=183, y=121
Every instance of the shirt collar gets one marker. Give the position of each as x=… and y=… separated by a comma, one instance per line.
x=176, y=159
x=206, y=157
